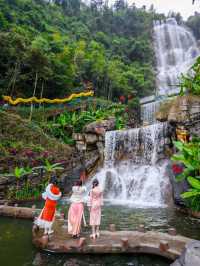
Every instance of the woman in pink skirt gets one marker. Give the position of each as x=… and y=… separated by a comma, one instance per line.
x=95, y=203
x=76, y=209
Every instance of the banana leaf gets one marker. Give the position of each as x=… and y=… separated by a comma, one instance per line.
x=195, y=183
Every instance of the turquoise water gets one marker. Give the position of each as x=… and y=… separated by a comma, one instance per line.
x=16, y=248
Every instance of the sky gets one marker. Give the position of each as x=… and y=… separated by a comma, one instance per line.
x=185, y=7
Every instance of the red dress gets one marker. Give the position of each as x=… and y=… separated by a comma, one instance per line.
x=46, y=217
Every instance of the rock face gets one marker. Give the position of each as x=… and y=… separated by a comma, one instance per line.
x=178, y=187
x=94, y=127
x=183, y=114
x=5, y=182
x=182, y=111
x=190, y=256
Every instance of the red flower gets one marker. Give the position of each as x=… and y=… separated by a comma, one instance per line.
x=13, y=151
x=122, y=98
x=130, y=97
x=29, y=153
x=177, y=169
x=45, y=154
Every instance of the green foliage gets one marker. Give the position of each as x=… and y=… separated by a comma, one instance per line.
x=73, y=122
x=26, y=191
x=192, y=196
x=49, y=168
x=190, y=83
x=193, y=22
x=189, y=155
x=49, y=48
x=20, y=172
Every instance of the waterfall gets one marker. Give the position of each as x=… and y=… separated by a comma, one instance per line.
x=148, y=111
x=176, y=50
x=131, y=172
x=135, y=169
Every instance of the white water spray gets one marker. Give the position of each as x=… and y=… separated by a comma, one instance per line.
x=176, y=50
x=131, y=174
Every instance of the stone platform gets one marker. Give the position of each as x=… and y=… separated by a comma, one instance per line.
x=168, y=245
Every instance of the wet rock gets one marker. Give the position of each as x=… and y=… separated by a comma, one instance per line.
x=38, y=260
x=81, y=145
x=71, y=262
x=176, y=263
x=91, y=160
x=190, y=256
x=177, y=187
x=184, y=110
x=107, y=125
x=91, y=138
x=78, y=136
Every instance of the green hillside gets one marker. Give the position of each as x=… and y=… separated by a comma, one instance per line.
x=56, y=46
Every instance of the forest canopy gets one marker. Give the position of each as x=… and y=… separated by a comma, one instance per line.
x=55, y=47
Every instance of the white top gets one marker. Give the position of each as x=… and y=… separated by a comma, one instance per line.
x=78, y=194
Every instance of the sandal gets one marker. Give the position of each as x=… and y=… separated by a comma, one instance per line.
x=93, y=236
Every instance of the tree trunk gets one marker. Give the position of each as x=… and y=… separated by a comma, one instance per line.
x=13, y=78
x=35, y=86
x=42, y=90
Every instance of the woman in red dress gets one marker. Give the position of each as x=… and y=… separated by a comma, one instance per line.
x=46, y=218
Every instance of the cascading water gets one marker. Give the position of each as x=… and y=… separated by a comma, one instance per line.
x=176, y=50
x=131, y=174
x=148, y=111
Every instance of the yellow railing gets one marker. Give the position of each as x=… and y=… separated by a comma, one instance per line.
x=45, y=100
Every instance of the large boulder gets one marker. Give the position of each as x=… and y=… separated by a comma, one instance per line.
x=190, y=256
x=99, y=127
x=181, y=110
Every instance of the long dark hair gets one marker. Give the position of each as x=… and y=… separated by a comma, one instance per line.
x=54, y=180
x=78, y=183
x=95, y=183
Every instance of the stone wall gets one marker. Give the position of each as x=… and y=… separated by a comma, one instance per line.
x=183, y=111
x=183, y=114
x=90, y=147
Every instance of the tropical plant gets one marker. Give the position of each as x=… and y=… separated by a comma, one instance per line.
x=192, y=196
x=189, y=155
x=26, y=191
x=190, y=83
x=20, y=172
x=49, y=168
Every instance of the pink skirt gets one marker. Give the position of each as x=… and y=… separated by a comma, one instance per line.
x=75, y=215
x=95, y=216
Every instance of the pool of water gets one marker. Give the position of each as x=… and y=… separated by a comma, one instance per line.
x=16, y=247
x=158, y=219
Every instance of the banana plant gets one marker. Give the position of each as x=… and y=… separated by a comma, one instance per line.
x=19, y=172
x=189, y=155
x=49, y=168
x=193, y=195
